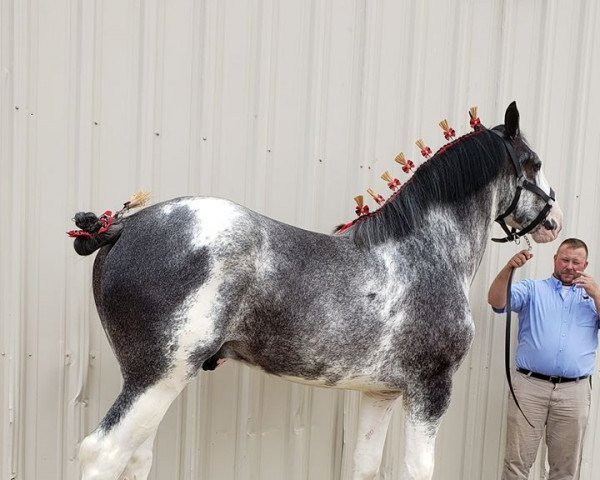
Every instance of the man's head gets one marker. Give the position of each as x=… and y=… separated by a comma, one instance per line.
x=570, y=259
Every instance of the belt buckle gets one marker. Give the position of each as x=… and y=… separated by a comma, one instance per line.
x=554, y=380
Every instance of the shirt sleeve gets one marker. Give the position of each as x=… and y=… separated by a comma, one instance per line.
x=520, y=293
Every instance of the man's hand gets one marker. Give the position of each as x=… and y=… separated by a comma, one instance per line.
x=520, y=259
x=587, y=282
x=497, y=291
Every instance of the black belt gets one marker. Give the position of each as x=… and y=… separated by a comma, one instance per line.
x=550, y=378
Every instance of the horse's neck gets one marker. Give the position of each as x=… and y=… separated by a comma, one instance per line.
x=455, y=235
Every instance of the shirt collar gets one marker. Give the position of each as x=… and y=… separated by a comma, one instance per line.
x=557, y=283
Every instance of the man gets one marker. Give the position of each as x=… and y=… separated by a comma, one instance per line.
x=556, y=355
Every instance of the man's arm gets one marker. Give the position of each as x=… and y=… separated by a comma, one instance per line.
x=497, y=291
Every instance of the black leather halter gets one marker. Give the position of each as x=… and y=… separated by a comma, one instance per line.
x=522, y=183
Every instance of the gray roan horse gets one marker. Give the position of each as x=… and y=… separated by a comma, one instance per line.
x=381, y=308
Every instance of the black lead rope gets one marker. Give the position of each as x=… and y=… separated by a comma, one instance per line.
x=507, y=356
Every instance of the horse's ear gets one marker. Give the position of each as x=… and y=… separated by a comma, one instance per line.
x=511, y=120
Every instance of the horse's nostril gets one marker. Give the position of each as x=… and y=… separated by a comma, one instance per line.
x=549, y=224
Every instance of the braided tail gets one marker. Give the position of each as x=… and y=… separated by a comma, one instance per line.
x=95, y=232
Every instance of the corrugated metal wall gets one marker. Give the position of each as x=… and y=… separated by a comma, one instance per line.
x=290, y=108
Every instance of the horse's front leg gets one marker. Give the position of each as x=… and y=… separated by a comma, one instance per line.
x=374, y=417
x=425, y=403
x=420, y=445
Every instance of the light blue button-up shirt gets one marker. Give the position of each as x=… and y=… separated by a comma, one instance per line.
x=558, y=328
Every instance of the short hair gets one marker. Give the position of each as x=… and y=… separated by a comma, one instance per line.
x=575, y=243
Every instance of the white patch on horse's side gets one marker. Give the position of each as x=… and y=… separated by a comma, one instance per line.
x=388, y=286
x=419, y=455
x=197, y=325
x=214, y=217
x=263, y=262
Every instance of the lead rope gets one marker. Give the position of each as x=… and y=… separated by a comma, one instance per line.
x=507, y=356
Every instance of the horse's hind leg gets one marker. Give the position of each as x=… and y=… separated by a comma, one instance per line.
x=374, y=417
x=140, y=462
x=130, y=423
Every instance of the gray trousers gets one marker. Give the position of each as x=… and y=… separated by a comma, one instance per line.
x=562, y=410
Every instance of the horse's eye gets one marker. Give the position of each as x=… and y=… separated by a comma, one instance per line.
x=532, y=163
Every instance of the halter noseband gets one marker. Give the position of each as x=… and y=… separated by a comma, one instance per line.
x=522, y=183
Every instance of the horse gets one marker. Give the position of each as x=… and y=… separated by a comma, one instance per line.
x=381, y=307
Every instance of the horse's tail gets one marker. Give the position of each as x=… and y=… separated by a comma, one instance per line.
x=95, y=232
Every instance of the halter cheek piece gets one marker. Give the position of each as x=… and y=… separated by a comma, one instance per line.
x=522, y=183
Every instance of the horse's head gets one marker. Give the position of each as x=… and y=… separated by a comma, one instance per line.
x=533, y=208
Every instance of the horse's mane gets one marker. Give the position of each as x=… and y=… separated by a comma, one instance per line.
x=458, y=170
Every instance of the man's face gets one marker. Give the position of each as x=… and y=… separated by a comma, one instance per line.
x=568, y=262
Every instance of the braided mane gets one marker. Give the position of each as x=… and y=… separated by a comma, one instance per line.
x=456, y=171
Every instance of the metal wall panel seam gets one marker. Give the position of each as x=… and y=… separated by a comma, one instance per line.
x=195, y=135
x=191, y=396
x=96, y=94
x=321, y=109
x=271, y=102
x=542, y=94
x=70, y=427
x=507, y=48
x=255, y=187
x=207, y=98
x=145, y=157
x=368, y=127
x=7, y=287
x=581, y=90
x=136, y=85
x=404, y=107
x=157, y=99
x=416, y=71
x=217, y=93
x=81, y=196
x=31, y=262
x=313, y=65
x=132, y=80
x=357, y=123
